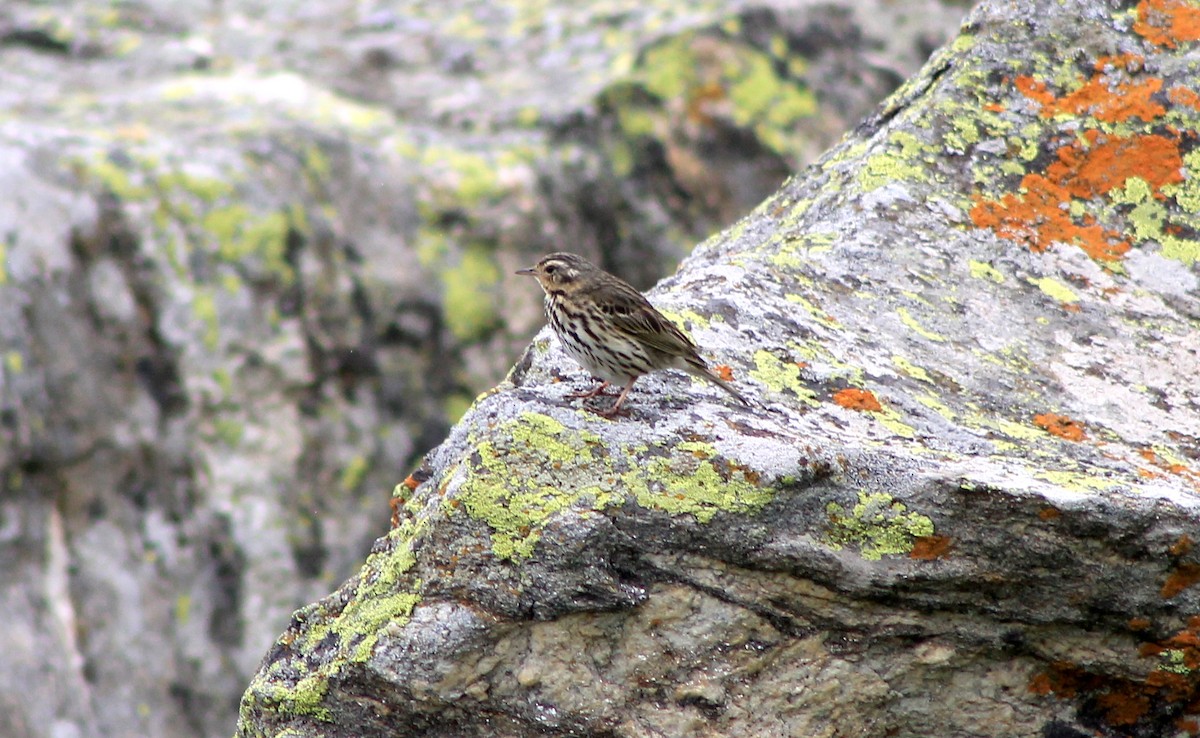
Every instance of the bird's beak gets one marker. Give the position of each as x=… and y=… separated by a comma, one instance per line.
x=528, y=271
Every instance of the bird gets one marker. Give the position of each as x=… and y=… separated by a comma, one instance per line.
x=611, y=329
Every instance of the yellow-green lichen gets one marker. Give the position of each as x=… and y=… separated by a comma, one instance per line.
x=911, y=369
x=183, y=609
x=528, y=116
x=468, y=295
x=1175, y=661
x=898, y=163
x=1055, y=290
x=204, y=307
x=223, y=380
x=431, y=245
x=669, y=67
x=983, y=270
x=877, y=525
x=810, y=308
x=688, y=482
x=455, y=405
x=1187, y=192
x=117, y=180
x=1076, y=481
x=353, y=473
x=305, y=697
x=907, y=319
x=635, y=120
x=14, y=361
x=471, y=175
x=780, y=375
x=890, y=419
x=766, y=102
x=935, y=404
x=684, y=318
x=207, y=190
x=535, y=468
x=241, y=235
x=1170, y=456
x=791, y=255
x=386, y=594
x=229, y=430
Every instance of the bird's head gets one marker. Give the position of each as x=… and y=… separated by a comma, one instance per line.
x=560, y=272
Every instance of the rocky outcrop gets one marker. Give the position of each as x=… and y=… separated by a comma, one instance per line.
x=253, y=265
x=965, y=503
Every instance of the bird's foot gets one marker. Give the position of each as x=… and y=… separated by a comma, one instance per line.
x=597, y=391
x=612, y=412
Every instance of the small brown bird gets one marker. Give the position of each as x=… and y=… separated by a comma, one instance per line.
x=611, y=329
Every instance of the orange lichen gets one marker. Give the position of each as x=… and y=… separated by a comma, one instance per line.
x=1034, y=90
x=1123, y=706
x=1060, y=425
x=1163, y=696
x=724, y=372
x=1105, y=100
x=1184, y=96
x=1127, y=61
x=856, y=399
x=928, y=548
x=1107, y=164
x=1137, y=623
x=1038, y=218
x=1187, y=643
x=1182, y=470
x=1168, y=22
x=1181, y=546
x=1049, y=513
x=1094, y=165
x=1184, y=576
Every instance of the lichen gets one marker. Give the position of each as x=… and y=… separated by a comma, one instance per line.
x=563, y=468
x=900, y=162
x=1055, y=289
x=353, y=473
x=560, y=469
x=468, y=295
x=204, y=307
x=780, y=375
x=688, y=482
x=911, y=322
x=877, y=525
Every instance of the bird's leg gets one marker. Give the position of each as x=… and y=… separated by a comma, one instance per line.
x=616, y=408
x=598, y=390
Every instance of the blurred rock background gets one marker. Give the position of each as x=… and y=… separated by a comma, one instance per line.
x=255, y=260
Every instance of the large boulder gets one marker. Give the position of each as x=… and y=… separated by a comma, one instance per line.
x=965, y=502
x=254, y=263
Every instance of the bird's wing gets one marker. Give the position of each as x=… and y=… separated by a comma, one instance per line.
x=632, y=312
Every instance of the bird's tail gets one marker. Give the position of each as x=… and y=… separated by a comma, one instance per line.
x=697, y=368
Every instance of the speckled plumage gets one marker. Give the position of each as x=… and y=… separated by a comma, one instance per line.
x=611, y=329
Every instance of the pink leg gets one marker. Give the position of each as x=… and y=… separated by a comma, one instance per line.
x=599, y=390
x=616, y=408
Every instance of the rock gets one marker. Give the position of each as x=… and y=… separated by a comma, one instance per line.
x=965, y=503
x=254, y=263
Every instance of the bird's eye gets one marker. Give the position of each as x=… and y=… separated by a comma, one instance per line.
x=551, y=269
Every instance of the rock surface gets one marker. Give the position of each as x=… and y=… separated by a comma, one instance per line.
x=966, y=503
x=253, y=264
